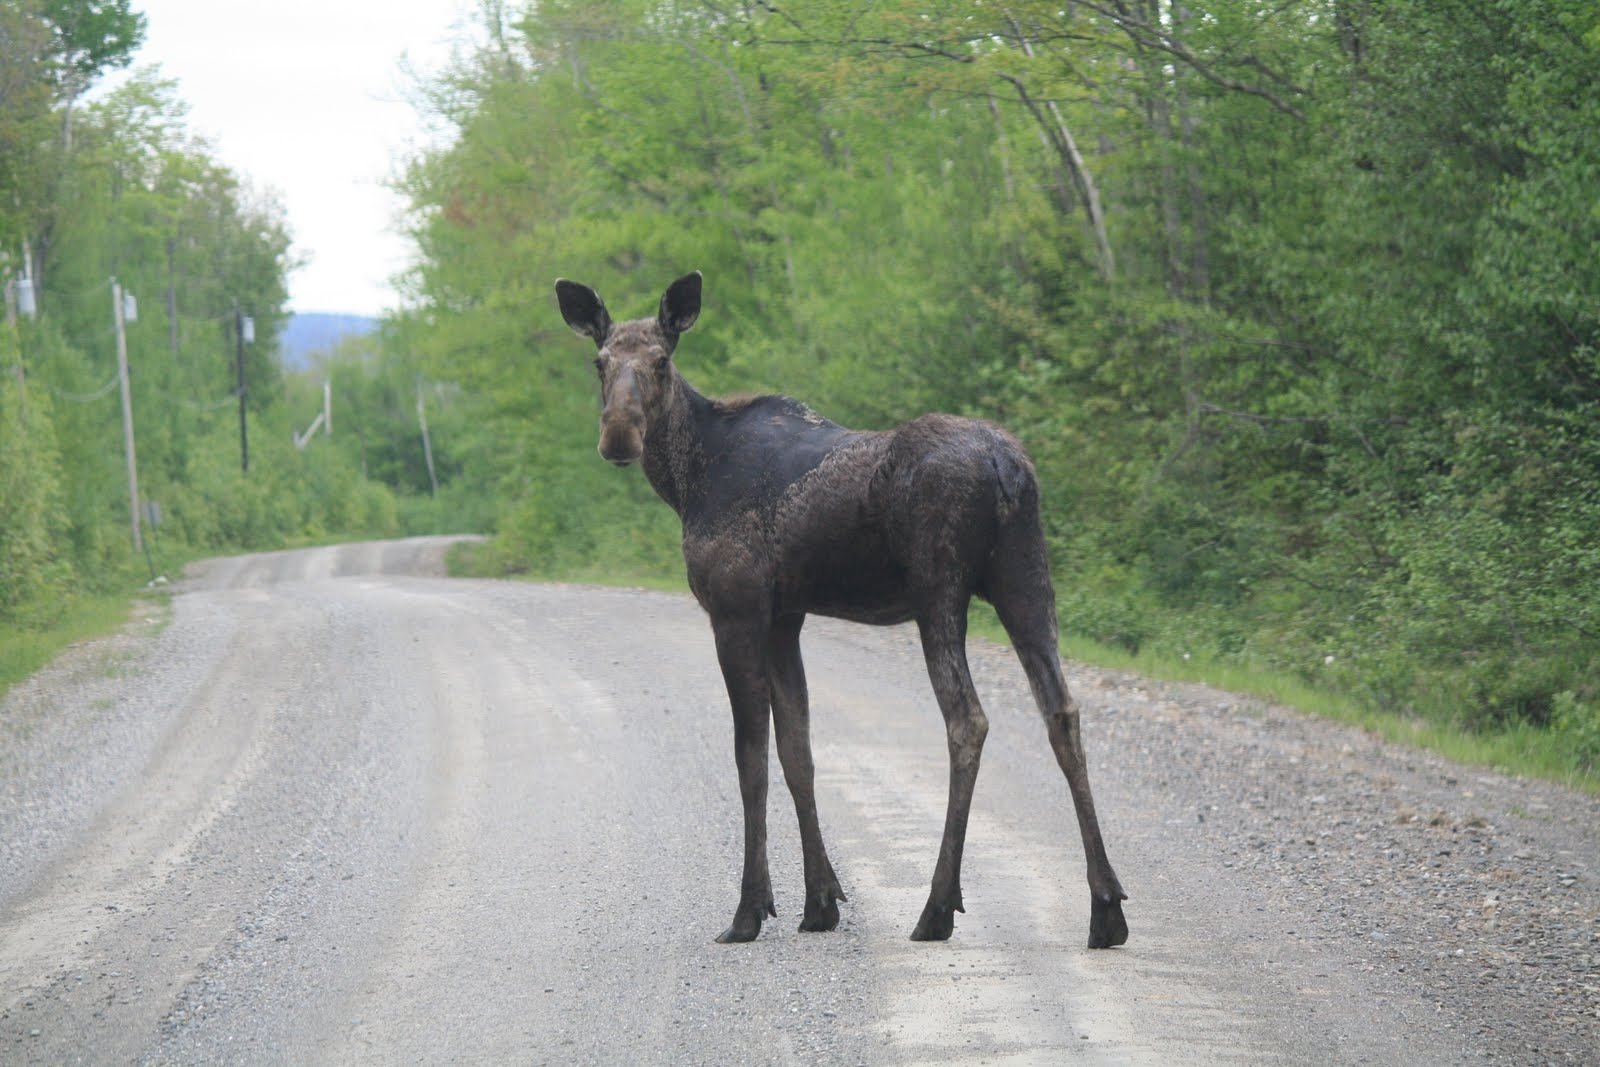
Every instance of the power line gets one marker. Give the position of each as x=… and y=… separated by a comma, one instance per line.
x=194, y=406
x=81, y=398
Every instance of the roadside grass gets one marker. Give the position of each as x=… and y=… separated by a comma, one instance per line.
x=1520, y=749
x=24, y=649
x=476, y=559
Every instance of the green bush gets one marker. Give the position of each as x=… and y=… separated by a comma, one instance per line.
x=34, y=573
x=1577, y=723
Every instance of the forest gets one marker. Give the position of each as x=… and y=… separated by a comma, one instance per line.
x=1296, y=306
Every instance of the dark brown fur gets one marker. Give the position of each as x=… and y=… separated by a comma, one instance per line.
x=786, y=514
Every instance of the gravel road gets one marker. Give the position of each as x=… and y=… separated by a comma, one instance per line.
x=329, y=806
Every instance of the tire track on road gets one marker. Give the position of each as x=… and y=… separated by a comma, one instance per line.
x=71, y=931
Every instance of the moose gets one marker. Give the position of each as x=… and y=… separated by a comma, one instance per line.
x=786, y=514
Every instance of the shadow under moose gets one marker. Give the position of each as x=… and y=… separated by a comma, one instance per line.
x=786, y=514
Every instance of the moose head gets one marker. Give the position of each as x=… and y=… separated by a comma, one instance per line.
x=634, y=359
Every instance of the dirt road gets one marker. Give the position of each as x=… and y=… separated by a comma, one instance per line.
x=343, y=809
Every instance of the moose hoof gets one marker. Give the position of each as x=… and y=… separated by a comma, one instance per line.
x=735, y=934
x=1107, y=927
x=820, y=916
x=938, y=922
x=746, y=924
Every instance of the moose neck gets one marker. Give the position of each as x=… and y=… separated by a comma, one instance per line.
x=674, y=454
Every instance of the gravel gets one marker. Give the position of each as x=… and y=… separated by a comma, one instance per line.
x=1279, y=866
x=1471, y=891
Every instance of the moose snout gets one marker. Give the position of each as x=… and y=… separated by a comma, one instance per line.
x=621, y=442
x=622, y=419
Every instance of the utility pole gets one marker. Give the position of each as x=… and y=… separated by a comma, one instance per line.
x=119, y=316
x=242, y=325
x=28, y=293
x=427, y=444
x=172, y=298
x=20, y=300
x=10, y=288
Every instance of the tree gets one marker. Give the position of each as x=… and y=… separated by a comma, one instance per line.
x=1292, y=305
x=33, y=569
x=90, y=36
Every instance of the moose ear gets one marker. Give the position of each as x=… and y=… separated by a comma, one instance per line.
x=584, y=311
x=680, y=305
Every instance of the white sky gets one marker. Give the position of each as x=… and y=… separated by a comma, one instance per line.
x=306, y=98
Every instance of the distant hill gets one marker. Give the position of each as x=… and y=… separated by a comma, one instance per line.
x=317, y=332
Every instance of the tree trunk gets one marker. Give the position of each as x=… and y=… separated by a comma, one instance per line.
x=1049, y=118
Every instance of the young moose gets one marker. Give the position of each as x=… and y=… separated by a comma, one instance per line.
x=784, y=514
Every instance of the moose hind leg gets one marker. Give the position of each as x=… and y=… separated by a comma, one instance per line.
x=1107, y=927
x=1022, y=597
x=791, y=720
x=740, y=653
x=944, y=647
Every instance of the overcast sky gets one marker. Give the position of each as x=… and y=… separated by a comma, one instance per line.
x=306, y=98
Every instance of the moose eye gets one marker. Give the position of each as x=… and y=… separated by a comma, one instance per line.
x=663, y=361
x=600, y=366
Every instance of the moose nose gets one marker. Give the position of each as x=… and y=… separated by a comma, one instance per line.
x=622, y=420
x=620, y=444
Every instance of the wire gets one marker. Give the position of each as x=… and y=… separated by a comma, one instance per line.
x=192, y=406
x=83, y=398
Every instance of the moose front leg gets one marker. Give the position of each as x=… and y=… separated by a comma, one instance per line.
x=741, y=651
x=791, y=718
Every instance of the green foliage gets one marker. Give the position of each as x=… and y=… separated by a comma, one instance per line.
x=1294, y=308
x=1577, y=726
x=33, y=572
x=118, y=189
x=93, y=35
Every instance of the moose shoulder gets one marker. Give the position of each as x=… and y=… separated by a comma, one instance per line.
x=786, y=514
